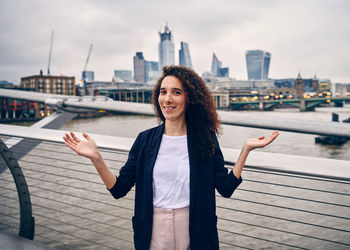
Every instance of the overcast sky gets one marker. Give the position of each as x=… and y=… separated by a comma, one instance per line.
x=306, y=36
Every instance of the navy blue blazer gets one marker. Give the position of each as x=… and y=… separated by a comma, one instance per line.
x=205, y=176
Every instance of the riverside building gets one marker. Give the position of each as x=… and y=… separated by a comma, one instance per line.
x=61, y=85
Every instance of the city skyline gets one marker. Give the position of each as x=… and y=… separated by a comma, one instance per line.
x=303, y=36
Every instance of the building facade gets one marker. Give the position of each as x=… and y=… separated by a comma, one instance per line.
x=342, y=90
x=258, y=63
x=139, y=68
x=89, y=76
x=61, y=85
x=216, y=68
x=184, y=55
x=152, y=71
x=215, y=65
x=299, y=86
x=223, y=72
x=166, y=48
x=123, y=75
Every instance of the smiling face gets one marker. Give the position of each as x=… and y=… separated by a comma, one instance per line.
x=172, y=99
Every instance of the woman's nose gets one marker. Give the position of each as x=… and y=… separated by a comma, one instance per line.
x=168, y=97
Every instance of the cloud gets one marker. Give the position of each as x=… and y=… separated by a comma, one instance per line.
x=306, y=36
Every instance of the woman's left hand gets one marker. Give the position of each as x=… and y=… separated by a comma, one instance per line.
x=261, y=141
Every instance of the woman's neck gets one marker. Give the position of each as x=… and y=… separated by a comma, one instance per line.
x=175, y=128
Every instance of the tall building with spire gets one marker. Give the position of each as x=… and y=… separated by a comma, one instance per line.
x=184, y=55
x=299, y=85
x=166, y=48
x=258, y=63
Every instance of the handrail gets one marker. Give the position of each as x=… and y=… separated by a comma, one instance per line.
x=304, y=165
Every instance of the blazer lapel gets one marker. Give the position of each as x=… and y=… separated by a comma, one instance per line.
x=193, y=163
x=153, y=149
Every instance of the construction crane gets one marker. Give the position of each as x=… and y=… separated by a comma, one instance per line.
x=48, y=66
x=83, y=79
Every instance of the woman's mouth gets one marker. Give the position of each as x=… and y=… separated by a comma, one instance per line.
x=169, y=108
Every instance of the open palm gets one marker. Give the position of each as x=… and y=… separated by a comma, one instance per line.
x=85, y=148
x=261, y=141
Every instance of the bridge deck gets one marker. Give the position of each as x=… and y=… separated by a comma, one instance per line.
x=13, y=242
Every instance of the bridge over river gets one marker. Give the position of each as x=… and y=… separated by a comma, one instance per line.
x=302, y=104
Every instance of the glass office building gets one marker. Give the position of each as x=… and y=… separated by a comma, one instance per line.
x=89, y=76
x=124, y=75
x=152, y=71
x=166, y=48
x=215, y=65
x=216, y=68
x=258, y=63
x=184, y=55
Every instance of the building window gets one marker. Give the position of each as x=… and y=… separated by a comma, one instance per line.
x=47, y=87
x=59, y=87
x=41, y=85
x=70, y=87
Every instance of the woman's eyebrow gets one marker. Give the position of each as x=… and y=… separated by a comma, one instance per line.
x=177, y=89
x=172, y=89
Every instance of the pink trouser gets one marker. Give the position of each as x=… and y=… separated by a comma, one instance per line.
x=170, y=229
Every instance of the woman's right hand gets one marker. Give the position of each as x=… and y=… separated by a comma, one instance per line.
x=87, y=148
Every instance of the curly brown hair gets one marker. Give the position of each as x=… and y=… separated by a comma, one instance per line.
x=201, y=117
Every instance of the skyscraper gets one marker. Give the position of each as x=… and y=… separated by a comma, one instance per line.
x=152, y=71
x=139, y=67
x=216, y=68
x=184, y=55
x=258, y=63
x=166, y=48
x=215, y=65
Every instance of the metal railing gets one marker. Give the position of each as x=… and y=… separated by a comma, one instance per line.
x=270, y=209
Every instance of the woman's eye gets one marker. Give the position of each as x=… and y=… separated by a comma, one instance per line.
x=162, y=92
x=177, y=93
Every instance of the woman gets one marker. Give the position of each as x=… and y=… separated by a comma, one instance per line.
x=176, y=166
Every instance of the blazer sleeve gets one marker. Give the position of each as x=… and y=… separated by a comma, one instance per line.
x=127, y=174
x=225, y=182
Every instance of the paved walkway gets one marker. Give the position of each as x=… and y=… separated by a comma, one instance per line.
x=11, y=241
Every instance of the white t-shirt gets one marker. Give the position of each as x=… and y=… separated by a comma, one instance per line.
x=171, y=174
